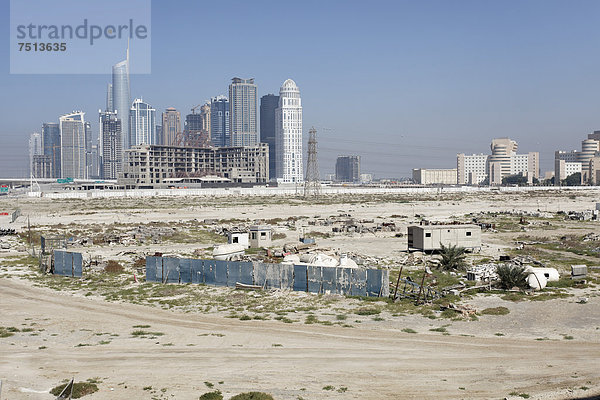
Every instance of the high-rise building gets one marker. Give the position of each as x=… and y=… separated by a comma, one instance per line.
x=220, y=134
x=142, y=123
x=473, y=169
x=205, y=118
x=288, y=134
x=268, y=105
x=347, y=169
x=159, y=135
x=109, y=97
x=243, y=118
x=111, y=149
x=35, y=148
x=72, y=148
x=195, y=133
x=51, y=143
x=564, y=161
x=171, y=126
x=121, y=98
x=88, y=149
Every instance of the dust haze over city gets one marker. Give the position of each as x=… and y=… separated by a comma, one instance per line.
x=316, y=200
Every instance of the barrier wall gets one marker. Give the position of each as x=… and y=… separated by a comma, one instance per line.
x=303, y=278
x=68, y=264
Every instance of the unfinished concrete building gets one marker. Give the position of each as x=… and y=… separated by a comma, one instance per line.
x=156, y=166
x=431, y=237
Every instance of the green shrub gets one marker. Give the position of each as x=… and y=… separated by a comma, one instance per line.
x=252, y=396
x=80, y=389
x=216, y=395
x=495, y=311
x=511, y=276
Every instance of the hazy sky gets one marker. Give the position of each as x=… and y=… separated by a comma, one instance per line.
x=404, y=84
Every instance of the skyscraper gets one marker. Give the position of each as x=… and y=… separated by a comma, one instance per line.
x=142, y=123
x=51, y=143
x=219, y=121
x=35, y=148
x=72, y=148
x=110, y=145
x=121, y=99
x=268, y=105
x=88, y=149
x=288, y=134
x=194, y=134
x=171, y=126
x=347, y=169
x=109, y=97
x=242, y=104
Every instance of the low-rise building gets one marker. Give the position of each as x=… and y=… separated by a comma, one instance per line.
x=432, y=237
x=260, y=236
x=423, y=176
x=152, y=166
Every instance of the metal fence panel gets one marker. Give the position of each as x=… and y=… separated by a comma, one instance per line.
x=260, y=273
x=344, y=281
x=385, y=283
x=210, y=268
x=59, y=262
x=151, y=268
x=287, y=275
x=359, y=282
x=239, y=272
x=374, y=280
x=170, y=270
x=273, y=276
x=197, y=271
x=185, y=270
x=314, y=279
x=68, y=264
x=329, y=279
x=221, y=273
x=300, y=283
x=77, y=265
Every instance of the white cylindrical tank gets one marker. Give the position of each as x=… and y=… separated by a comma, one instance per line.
x=537, y=280
x=228, y=251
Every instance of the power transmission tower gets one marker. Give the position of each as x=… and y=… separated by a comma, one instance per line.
x=312, y=186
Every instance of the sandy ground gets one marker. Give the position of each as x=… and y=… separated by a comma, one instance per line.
x=372, y=364
x=373, y=360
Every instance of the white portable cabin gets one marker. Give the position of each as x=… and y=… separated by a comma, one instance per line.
x=260, y=236
x=236, y=237
x=430, y=237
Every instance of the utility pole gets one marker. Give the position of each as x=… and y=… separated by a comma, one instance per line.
x=312, y=186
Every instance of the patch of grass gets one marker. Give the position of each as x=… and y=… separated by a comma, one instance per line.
x=342, y=389
x=311, y=319
x=328, y=387
x=367, y=311
x=80, y=389
x=252, y=396
x=216, y=395
x=276, y=345
x=499, y=334
x=209, y=385
x=495, y=311
x=245, y=318
x=147, y=388
x=142, y=333
x=568, y=337
x=341, y=317
x=113, y=267
x=408, y=330
x=440, y=329
x=141, y=326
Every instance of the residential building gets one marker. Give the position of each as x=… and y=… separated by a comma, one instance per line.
x=151, y=166
x=88, y=149
x=589, y=148
x=288, y=134
x=423, y=176
x=471, y=170
x=503, y=162
x=563, y=169
x=220, y=133
x=171, y=126
x=268, y=105
x=35, y=148
x=243, y=118
x=142, y=123
x=111, y=145
x=72, y=149
x=51, y=143
x=121, y=98
x=159, y=135
x=347, y=169
x=194, y=132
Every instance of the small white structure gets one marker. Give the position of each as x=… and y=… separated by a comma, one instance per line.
x=551, y=274
x=260, y=236
x=236, y=237
x=431, y=237
x=537, y=280
x=228, y=252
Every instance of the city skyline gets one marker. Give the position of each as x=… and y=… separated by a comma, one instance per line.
x=480, y=82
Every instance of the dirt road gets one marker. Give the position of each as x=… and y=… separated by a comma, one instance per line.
x=78, y=337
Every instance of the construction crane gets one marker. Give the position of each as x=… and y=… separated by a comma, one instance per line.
x=194, y=108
